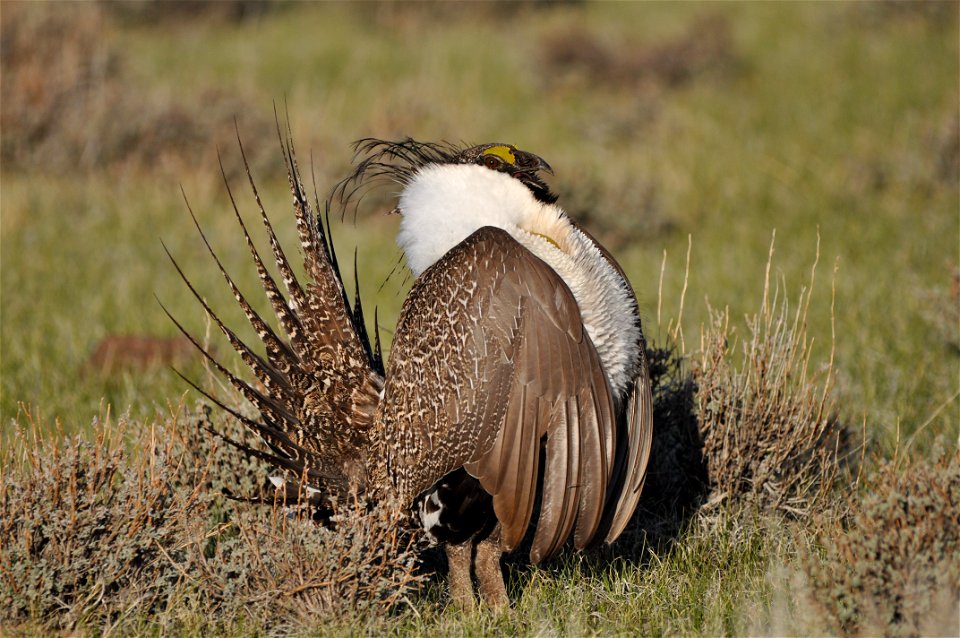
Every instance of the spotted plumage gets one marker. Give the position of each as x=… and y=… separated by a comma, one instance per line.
x=517, y=372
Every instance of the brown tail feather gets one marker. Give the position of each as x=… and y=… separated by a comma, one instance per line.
x=289, y=320
x=281, y=361
x=268, y=406
x=320, y=384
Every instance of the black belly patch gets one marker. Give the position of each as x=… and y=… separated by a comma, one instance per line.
x=456, y=509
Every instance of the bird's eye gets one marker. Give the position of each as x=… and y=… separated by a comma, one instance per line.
x=491, y=162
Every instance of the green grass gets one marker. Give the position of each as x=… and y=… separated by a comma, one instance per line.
x=830, y=120
x=677, y=592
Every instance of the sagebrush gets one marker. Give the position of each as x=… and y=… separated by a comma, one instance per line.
x=892, y=565
x=105, y=532
x=770, y=432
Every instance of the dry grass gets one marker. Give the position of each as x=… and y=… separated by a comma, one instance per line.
x=743, y=428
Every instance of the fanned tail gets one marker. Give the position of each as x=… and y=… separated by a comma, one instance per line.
x=319, y=383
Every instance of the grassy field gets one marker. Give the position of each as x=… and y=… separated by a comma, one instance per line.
x=668, y=126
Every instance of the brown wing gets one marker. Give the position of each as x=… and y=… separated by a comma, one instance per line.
x=490, y=357
x=631, y=466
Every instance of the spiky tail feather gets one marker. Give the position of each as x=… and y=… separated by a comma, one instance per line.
x=320, y=386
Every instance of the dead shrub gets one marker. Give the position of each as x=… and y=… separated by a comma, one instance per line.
x=153, y=11
x=69, y=104
x=288, y=571
x=895, y=13
x=739, y=424
x=892, y=565
x=420, y=16
x=49, y=59
x=705, y=48
x=95, y=535
x=769, y=435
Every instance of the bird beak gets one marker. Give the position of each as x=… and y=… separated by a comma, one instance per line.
x=542, y=165
x=530, y=163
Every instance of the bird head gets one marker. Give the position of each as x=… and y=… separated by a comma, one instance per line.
x=401, y=160
x=450, y=191
x=508, y=159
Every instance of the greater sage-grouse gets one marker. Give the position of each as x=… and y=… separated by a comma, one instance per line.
x=517, y=372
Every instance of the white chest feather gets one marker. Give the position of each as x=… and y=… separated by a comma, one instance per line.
x=443, y=205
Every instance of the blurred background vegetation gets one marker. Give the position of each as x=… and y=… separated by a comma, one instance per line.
x=708, y=126
x=721, y=123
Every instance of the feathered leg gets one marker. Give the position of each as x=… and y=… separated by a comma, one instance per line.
x=459, y=560
x=493, y=591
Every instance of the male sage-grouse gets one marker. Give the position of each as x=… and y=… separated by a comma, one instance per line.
x=517, y=371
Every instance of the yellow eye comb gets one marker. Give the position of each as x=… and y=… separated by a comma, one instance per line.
x=502, y=151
